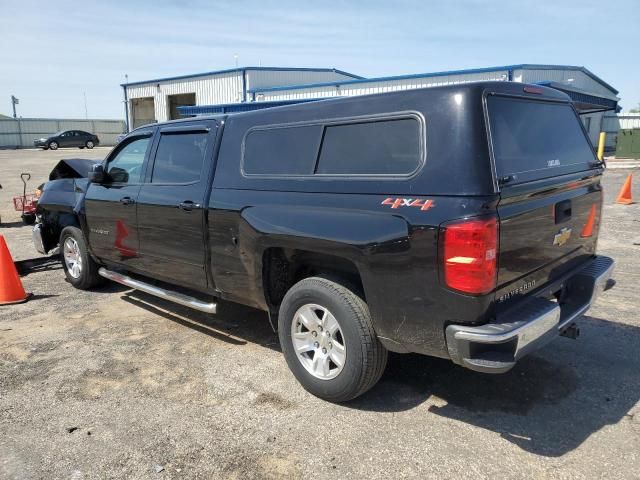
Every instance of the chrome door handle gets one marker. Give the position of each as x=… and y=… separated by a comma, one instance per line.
x=188, y=205
x=127, y=201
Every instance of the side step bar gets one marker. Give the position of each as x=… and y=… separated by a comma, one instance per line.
x=175, y=297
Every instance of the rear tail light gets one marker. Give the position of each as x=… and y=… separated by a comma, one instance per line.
x=470, y=255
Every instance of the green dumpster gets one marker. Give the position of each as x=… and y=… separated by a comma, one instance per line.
x=628, y=145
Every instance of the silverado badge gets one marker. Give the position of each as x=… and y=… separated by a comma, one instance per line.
x=562, y=236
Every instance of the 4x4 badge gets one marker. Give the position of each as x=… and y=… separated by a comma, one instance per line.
x=409, y=202
x=562, y=236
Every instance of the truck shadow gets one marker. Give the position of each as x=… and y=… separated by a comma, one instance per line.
x=234, y=324
x=547, y=405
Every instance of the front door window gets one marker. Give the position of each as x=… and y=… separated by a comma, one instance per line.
x=126, y=166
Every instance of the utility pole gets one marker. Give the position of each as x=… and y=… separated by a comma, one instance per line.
x=86, y=114
x=14, y=102
x=126, y=102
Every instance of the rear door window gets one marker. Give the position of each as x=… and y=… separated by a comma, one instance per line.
x=179, y=158
x=536, y=139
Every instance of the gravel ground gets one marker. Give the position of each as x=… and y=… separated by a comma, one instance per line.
x=117, y=384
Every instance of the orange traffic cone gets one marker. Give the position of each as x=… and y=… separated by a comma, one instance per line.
x=11, y=290
x=587, y=231
x=624, y=197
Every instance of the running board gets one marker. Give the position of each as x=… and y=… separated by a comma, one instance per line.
x=174, y=297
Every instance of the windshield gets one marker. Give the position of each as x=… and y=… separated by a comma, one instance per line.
x=536, y=139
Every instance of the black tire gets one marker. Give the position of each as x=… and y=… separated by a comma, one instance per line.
x=365, y=358
x=53, y=146
x=88, y=274
x=89, y=144
x=81, y=148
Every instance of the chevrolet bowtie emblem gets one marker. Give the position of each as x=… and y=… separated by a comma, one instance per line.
x=562, y=236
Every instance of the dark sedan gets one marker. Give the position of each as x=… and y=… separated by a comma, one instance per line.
x=68, y=138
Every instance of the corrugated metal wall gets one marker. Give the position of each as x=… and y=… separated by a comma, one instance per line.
x=219, y=88
x=380, y=86
x=275, y=78
x=225, y=87
x=23, y=131
x=627, y=120
x=580, y=79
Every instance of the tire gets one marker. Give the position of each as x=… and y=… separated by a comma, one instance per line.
x=81, y=148
x=53, y=145
x=79, y=268
x=89, y=144
x=363, y=356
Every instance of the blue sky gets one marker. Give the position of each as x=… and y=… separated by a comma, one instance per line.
x=53, y=51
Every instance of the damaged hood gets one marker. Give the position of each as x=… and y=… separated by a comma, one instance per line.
x=72, y=168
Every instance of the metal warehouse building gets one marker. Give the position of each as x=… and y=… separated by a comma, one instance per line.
x=255, y=87
x=158, y=100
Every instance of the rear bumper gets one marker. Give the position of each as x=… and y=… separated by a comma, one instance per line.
x=497, y=346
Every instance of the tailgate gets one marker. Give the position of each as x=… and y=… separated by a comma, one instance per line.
x=550, y=199
x=545, y=234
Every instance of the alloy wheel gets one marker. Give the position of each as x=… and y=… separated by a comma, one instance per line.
x=72, y=257
x=318, y=341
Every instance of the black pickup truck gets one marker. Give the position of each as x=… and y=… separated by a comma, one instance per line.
x=458, y=222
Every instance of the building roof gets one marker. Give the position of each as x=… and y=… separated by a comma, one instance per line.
x=241, y=69
x=510, y=68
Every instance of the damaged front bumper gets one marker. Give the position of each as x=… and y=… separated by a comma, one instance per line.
x=496, y=347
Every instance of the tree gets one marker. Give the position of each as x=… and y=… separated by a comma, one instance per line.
x=635, y=110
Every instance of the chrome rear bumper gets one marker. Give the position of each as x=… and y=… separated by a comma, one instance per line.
x=496, y=347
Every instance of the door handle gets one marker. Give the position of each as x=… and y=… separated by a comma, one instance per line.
x=188, y=205
x=562, y=211
x=127, y=201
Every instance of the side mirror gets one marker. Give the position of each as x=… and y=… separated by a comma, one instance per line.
x=97, y=175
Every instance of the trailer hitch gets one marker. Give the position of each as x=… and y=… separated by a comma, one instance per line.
x=572, y=332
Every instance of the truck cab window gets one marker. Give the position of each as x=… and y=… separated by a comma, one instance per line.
x=126, y=166
x=179, y=158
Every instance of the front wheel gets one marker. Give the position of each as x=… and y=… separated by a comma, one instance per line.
x=328, y=340
x=53, y=145
x=79, y=268
x=89, y=144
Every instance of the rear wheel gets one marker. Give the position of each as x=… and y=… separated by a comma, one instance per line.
x=89, y=144
x=79, y=268
x=53, y=145
x=328, y=341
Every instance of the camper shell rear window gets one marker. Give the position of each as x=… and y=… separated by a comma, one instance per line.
x=535, y=139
